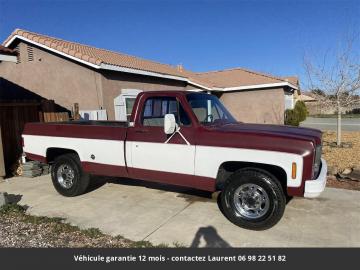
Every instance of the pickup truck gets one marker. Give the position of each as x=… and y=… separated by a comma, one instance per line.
x=187, y=139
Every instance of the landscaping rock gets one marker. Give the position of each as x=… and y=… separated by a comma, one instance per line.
x=3, y=199
x=346, y=171
x=346, y=145
x=355, y=174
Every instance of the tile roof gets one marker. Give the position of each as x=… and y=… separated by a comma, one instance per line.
x=95, y=55
x=236, y=77
x=292, y=79
x=214, y=79
x=306, y=98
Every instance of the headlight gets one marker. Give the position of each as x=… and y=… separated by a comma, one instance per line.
x=317, y=161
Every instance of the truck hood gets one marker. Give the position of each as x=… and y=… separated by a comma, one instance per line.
x=273, y=130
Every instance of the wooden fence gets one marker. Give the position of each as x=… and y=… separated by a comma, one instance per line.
x=55, y=117
x=13, y=117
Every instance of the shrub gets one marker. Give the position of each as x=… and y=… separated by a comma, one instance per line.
x=291, y=118
x=301, y=110
x=297, y=115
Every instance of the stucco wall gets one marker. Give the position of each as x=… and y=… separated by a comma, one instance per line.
x=53, y=77
x=260, y=106
x=114, y=82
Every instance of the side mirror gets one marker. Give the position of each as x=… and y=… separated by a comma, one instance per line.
x=169, y=123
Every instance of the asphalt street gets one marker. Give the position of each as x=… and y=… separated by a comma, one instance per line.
x=348, y=124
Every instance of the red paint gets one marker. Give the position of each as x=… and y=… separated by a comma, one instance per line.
x=36, y=157
x=104, y=169
x=74, y=130
x=185, y=180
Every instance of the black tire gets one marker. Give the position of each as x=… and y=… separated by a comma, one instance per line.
x=80, y=180
x=271, y=211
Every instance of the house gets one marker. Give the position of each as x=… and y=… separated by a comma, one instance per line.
x=102, y=80
x=313, y=105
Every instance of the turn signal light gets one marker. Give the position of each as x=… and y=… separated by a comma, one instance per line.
x=293, y=170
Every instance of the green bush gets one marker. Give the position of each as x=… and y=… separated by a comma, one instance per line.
x=295, y=116
x=291, y=118
x=301, y=110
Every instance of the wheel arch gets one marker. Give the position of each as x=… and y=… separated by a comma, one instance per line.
x=53, y=152
x=229, y=167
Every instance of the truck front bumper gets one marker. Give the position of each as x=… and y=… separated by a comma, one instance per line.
x=313, y=188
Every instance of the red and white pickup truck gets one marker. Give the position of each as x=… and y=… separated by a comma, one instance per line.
x=187, y=139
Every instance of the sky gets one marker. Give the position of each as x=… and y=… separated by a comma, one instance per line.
x=268, y=36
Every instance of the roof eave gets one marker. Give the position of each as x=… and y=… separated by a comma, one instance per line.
x=254, y=87
x=141, y=72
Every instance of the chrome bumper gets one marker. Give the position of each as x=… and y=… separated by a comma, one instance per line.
x=313, y=188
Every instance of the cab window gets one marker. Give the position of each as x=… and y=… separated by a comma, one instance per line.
x=156, y=108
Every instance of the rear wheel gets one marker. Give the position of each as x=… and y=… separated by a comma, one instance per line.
x=68, y=177
x=253, y=199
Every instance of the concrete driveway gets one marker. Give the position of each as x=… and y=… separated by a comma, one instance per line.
x=347, y=124
x=162, y=214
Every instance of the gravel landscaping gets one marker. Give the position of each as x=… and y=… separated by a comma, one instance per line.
x=343, y=162
x=332, y=181
x=339, y=159
x=17, y=229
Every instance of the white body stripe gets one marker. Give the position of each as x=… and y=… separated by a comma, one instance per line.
x=166, y=157
x=109, y=152
x=209, y=158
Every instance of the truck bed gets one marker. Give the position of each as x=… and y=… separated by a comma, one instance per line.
x=104, y=130
x=99, y=144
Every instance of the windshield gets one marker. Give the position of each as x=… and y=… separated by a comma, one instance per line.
x=209, y=110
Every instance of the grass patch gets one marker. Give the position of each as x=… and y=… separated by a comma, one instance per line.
x=59, y=226
x=12, y=209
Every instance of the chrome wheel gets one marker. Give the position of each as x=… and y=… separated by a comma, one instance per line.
x=65, y=176
x=251, y=201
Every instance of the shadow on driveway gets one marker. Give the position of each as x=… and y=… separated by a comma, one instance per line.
x=189, y=194
x=211, y=237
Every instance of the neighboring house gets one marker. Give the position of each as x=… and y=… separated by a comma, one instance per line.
x=98, y=79
x=313, y=105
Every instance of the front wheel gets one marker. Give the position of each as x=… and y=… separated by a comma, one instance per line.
x=253, y=199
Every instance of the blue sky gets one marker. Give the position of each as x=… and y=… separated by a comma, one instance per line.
x=268, y=36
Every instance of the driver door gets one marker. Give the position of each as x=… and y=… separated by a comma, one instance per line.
x=154, y=156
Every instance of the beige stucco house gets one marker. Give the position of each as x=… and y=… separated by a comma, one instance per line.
x=98, y=79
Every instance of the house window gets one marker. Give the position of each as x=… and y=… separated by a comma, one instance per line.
x=289, y=102
x=156, y=108
x=129, y=104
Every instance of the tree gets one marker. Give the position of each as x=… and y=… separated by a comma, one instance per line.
x=336, y=80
